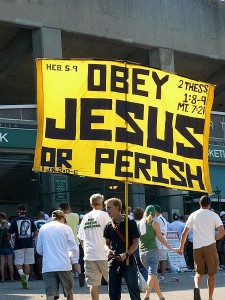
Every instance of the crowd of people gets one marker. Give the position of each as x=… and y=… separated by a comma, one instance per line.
x=98, y=248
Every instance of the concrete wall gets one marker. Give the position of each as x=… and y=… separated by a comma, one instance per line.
x=191, y=26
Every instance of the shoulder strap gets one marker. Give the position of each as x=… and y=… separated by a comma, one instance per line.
x=118, y=232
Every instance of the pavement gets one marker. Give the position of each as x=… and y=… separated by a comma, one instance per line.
x=178, y=286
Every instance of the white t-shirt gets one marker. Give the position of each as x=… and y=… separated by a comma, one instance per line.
x=57, y=245
x=163, y=228
x=204, y=223
x=91, y=233
x=176, y=226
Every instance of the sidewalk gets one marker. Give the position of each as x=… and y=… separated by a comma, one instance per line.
x=177, y=287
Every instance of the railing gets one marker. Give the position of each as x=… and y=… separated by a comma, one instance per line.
x=18, y=112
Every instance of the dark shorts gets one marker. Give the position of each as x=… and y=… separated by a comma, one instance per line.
x=52, y=280
x=206, y=260
x=6, y=252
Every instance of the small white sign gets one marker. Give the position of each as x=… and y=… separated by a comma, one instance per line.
x=177, y=262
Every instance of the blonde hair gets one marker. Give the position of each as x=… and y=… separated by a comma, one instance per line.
x=149, y=217
x=96, y=199
x=115, y=202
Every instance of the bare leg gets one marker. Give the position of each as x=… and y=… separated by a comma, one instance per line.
x=70, y=296
x=10, y=265
x=27, y=269
x=211, y=285
x=94, y=291
x=19, y=267
x=2, y=262
x=198, y=280
x=151, y=281
x=157, y=288
x=163, y=267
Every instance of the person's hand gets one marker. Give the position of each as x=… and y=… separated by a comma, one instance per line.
x=174, y=250
x=180, y=251
x=121, y=257
x=110, y=254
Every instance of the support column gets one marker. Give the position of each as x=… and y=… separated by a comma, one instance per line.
x=164, y=59
x=47, y=43
x=138, y=196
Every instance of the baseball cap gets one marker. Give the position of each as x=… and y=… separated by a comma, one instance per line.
x=150, y=209
x=57, y=213
x=175, y=216
x=158, y=208
x=222, y=213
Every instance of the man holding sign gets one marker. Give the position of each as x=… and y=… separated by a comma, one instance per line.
x=114, y=234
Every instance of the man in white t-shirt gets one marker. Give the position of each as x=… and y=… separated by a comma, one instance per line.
x=204, y=223
x=57, y=245
x=91, y=236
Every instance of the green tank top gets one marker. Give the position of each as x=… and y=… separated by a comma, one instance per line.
x=148, y=240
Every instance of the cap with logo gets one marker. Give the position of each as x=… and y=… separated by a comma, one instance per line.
x=58, y=213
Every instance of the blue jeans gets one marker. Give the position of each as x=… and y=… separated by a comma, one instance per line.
x=118, y=270
x=150, y=260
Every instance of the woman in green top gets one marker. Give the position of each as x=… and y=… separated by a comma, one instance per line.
x=6, y=251
x=149, y=230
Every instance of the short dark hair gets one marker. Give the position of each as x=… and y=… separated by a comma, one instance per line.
x=64, y=205
x=22, y=208
x=138, y=213
x=41, y=214
x=205, y=201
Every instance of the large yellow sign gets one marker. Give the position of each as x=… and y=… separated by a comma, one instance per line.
x=123, y=121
